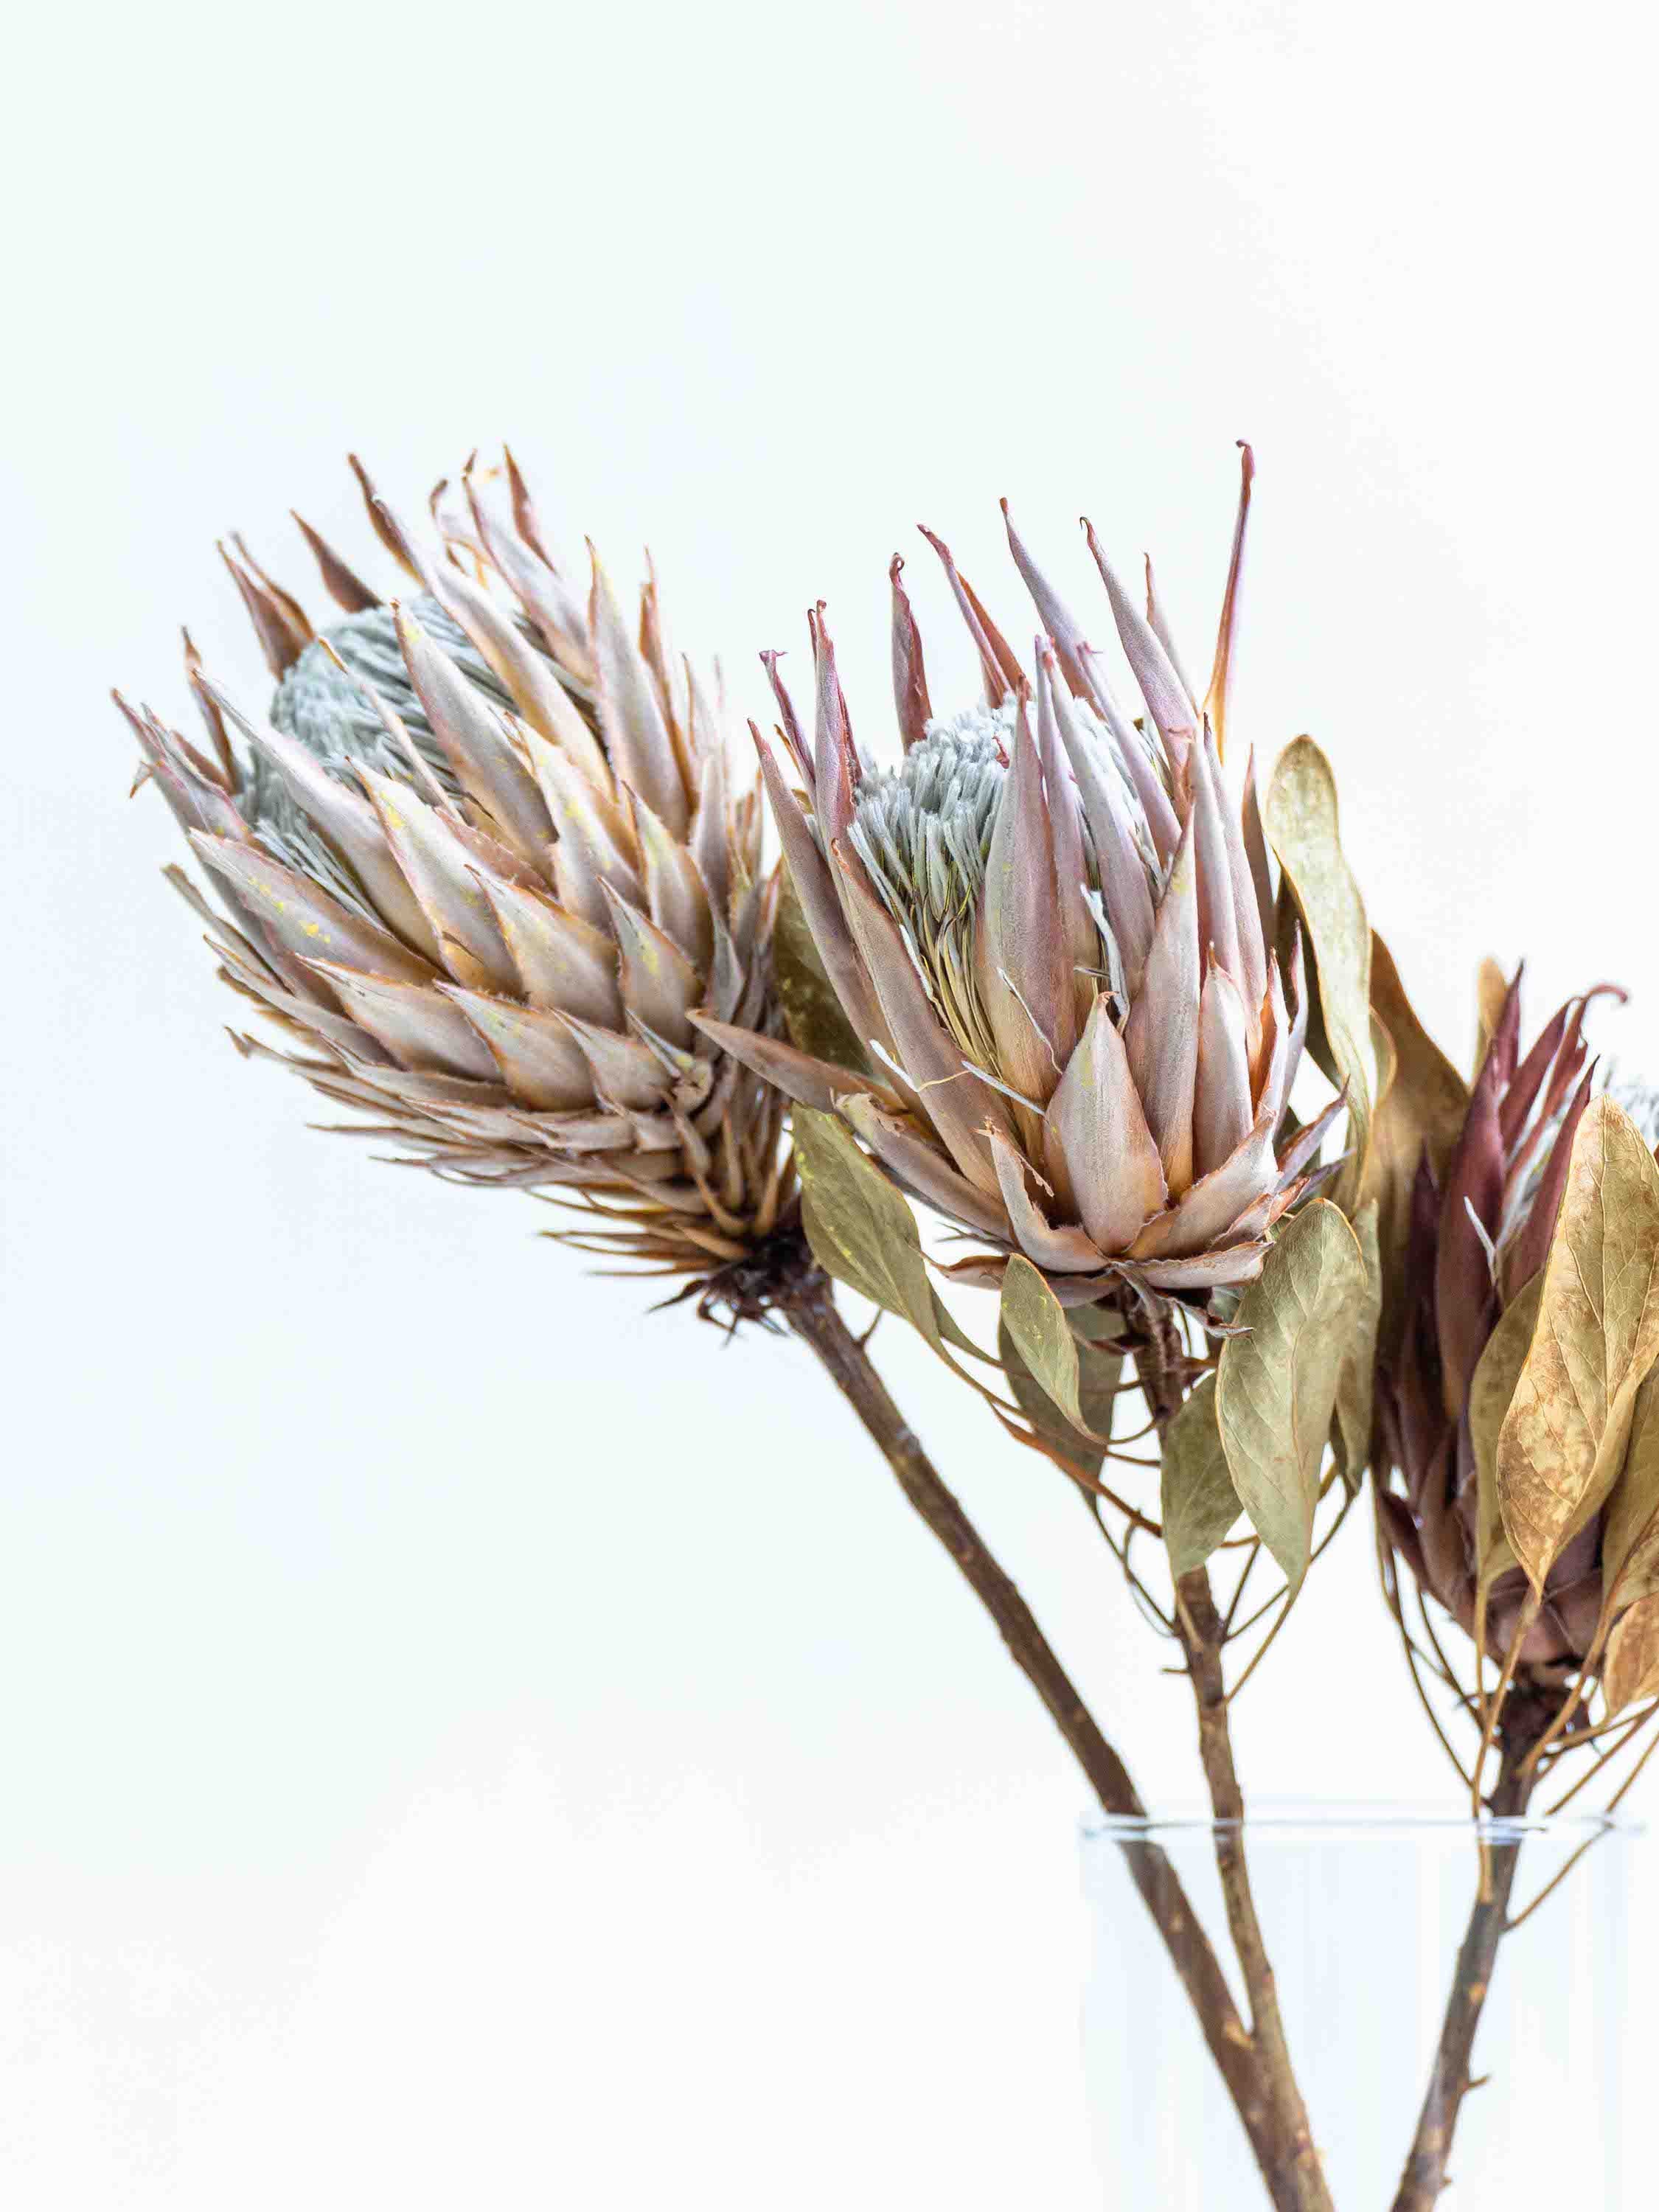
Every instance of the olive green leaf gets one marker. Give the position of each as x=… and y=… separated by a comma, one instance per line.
x=1035, y=1320
x=1276, y=1384
x=1100, y=1369
x=1200, y=1505
x=1098, y=1324
x=1300, y=819
x=1422, y=1102
x=1562, y=1443
x=1630, y=1673
x=1630, y=1534
x=811, y=1011
x=861, y=1231
x=1351, y=1438
x=1490, y=1395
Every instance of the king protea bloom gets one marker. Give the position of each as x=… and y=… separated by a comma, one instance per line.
x=1476, y=1242
x=1049, y=923
x=481, y=865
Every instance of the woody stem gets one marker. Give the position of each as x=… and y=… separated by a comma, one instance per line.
x=1200, y=1627
x=807, y=1303
x=1424, y=2174
x=1296, y=2170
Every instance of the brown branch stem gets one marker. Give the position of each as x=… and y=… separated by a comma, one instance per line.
x=1202, y=1636
x=808, y=1305
x=1295, y=2171
x=1424, y=2176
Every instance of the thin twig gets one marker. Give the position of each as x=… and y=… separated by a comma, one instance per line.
x=1260, y=1613
x=1627, y=1727
x=1447, y=1673
x=1260, y=1651
x=1570, y=1704
x=1611, y=1808
x=1149, y=1605
x=1138, y=1589
x=1413, y=1658
x=1231, y=1635
x=1245, y=1574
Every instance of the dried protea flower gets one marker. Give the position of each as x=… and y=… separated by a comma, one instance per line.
x=481, y=864
x=1049, y=924
x=1477, y=1245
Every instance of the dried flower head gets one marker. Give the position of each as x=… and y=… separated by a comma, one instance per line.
x=481, y=864
x=1478, y=1244
x=1049, y=924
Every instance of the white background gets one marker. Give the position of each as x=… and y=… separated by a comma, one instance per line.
x=465, y=1741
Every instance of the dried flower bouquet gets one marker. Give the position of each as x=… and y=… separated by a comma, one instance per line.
x=488, y=872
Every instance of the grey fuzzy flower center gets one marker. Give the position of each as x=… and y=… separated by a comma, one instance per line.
x=326, y=710
x=923, y=830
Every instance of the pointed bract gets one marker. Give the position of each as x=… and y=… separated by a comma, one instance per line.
x=1062, y=918
x=486, y=867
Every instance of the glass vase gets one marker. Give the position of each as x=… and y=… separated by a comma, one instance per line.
x=1363, y=1913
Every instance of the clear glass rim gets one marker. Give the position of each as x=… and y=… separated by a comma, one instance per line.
x=1298, y=1822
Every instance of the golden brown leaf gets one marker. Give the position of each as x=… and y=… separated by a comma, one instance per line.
x=1490, y=1395
x=1562, y=1442
x=1630, y=1534
x=1492, y=988
x=1631, y=1673
x=1422, y=1101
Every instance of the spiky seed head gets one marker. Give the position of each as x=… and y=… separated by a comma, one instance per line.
x=482, y=866
x=1046, y=922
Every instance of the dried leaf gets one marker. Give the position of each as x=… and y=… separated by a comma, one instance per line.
x=1631, y=1673
x=1630, y=1534
x=1034, y=1317
x=1351, y=1438
x=1491, y=1393
x=1492, y=988
x=1421, y=1104
x=1276, y=1386
x=1563, y=1440
x=811, y=1011
x=1301, y=821
x=1098, y=1324
x=861, y=1231
x=1200, y=1505
x=1099, y=1369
